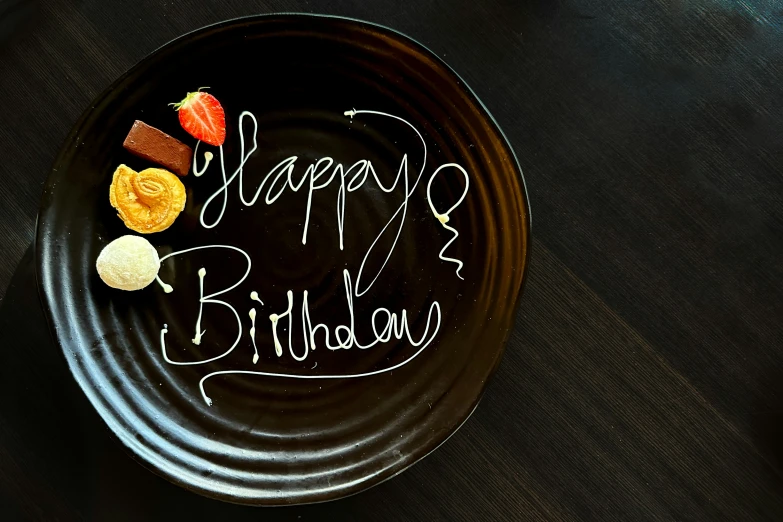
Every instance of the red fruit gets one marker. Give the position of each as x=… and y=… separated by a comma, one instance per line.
x=202, y=116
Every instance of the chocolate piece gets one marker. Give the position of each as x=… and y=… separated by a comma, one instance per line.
x=158, y=147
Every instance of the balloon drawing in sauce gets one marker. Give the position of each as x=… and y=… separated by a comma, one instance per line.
x=385, y=324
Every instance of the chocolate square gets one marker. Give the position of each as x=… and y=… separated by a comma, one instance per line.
x=158, y=147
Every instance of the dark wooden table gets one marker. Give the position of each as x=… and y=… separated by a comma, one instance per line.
x=644, y=380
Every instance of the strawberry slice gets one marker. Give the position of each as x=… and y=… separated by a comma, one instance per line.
x=202, y=116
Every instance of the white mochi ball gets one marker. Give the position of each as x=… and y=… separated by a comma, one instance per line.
x=128, y=263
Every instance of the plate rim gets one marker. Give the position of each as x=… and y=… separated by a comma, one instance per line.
x=67, y=145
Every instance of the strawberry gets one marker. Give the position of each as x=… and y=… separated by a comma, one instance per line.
x=202, y=116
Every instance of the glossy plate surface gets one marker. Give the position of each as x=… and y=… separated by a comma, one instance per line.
x=272, y=440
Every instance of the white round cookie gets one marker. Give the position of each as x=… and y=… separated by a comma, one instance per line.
x=128, y=263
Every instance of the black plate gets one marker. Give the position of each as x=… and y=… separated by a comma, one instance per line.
x=272, y=440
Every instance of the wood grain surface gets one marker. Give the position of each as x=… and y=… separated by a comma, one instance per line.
x=644, y=380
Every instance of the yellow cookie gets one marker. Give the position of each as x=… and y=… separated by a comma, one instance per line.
x=147, y=201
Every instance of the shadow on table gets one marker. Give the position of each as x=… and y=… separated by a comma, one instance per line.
x=58, y=461
x=767, y=425
x=13, y=15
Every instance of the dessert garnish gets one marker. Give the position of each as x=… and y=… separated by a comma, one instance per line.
x=253, y=333
x=202, y=116
x=444, y=218
x=158, y=147
x=199, y=332
x=147, y=201
x=128, y=263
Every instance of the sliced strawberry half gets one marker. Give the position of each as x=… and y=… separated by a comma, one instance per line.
x=202, y=116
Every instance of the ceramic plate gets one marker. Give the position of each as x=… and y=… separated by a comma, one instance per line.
x=417, y=313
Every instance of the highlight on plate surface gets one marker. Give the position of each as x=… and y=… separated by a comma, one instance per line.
x=150, y=201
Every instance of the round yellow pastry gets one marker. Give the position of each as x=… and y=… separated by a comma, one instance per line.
x=147, y=201
x=128, y=263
